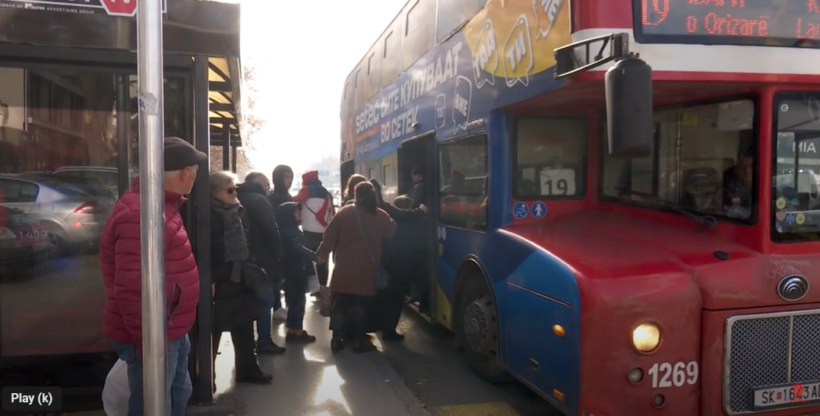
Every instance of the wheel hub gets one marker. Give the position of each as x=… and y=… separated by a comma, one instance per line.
x=479, y=324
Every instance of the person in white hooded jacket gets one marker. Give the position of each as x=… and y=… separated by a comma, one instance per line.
x=317, y=211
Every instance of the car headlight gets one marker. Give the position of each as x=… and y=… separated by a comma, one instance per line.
x=646, y=337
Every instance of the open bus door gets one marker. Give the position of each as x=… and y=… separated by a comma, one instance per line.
x=421, y=152
x=347, y=170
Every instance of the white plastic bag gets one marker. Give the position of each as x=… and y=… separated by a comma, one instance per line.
x=313, y=281
x=116, y=392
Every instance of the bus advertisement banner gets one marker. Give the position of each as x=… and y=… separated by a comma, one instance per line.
x=127, y=8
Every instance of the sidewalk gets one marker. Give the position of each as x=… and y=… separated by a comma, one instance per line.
x=311, y=381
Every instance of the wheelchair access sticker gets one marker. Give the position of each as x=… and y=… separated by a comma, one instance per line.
x=521, y=211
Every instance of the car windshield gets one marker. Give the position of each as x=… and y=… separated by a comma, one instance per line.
x=795, y=180
x=702, y=166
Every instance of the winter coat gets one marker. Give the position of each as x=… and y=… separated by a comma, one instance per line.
x=233, y=303
x=298, y=259
x=405, y=249
x=317, y=203
x=419, y=194
x=353, y=271
x=265, y=241
x=121, y=265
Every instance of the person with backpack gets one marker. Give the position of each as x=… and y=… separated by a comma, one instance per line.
x=317, y=211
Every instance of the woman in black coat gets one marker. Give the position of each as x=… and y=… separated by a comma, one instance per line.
x=399, y=261
x=235, y=308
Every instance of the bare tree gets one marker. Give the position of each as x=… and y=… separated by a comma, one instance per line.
x=254, y=122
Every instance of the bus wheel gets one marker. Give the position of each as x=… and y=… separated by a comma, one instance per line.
x=478, y=331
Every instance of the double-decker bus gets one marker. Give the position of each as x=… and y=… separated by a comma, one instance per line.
x=656, y=256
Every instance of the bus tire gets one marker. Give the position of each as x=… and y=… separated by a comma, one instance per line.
x=477, y=330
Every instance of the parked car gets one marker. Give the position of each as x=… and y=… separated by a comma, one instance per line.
x=74, y=216
x=106, y=176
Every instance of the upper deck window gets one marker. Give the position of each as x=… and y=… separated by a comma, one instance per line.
x=550, y=157
x=419, y=31
x=703, y=163
x=796, y=168
x=453, y=13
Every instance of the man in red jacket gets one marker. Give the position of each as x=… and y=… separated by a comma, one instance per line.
x=120, y=262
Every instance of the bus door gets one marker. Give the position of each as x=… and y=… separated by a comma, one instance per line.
x=346, y=170
x=420, y=152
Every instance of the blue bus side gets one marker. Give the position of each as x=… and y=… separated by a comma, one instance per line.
x=533, y=290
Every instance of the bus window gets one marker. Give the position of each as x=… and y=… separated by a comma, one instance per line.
x=359, y=88
x=391, y=65
x=419, y=31
x=373, y=75
x=452, y=13
x=462, y=173
x=695, y=164
x=550, y=158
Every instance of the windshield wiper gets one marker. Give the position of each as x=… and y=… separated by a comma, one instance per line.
x=707, y=221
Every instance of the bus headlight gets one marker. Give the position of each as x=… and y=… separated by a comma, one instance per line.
x=646, y=337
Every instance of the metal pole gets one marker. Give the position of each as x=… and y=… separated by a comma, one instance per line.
x=152, y=210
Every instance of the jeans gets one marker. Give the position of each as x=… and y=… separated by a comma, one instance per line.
x=263, y=324
x=178, y=380
x=295, y=297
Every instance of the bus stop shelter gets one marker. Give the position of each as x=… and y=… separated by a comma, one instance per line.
x=69, y=118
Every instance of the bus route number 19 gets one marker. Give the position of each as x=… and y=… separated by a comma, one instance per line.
x=666, y=375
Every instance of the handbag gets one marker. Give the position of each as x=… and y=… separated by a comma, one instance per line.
x=256, y=280
x=382, y=279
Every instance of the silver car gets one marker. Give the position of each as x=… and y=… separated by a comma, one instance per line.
x=73, y=213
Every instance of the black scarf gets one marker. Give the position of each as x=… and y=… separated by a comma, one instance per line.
x=236, y=244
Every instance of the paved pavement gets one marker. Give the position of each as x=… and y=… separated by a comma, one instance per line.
x=311, y=381
x=422, y=376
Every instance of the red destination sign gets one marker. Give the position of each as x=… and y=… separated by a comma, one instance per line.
x=764, y=22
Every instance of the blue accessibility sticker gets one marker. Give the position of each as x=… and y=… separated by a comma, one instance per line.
x=539, y=210
x=521, y=210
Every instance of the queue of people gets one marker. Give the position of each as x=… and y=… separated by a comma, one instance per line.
x=263, y=241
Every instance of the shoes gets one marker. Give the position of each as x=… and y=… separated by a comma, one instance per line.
x=280, y=314
x=269, y=349
x=336, y=344
x=392, y=336
x=257, y=378
x=301, y=338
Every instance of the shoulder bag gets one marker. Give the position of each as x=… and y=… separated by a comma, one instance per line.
x=382, y=279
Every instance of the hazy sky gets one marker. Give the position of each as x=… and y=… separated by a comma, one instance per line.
x=308, y=49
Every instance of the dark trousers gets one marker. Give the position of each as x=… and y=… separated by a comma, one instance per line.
x=242, y=338
x=347, y=318
x=312, y=241
x=295, y=297
x=387, y=305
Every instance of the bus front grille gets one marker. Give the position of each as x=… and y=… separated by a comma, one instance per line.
x=769, y=350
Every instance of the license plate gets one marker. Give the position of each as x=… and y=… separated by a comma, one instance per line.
x=786, y=396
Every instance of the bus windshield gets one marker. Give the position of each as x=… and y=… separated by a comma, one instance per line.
x=702, y=163
x=795, y=195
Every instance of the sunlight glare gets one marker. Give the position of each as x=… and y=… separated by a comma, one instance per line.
x=330, y=389
x=312, y=358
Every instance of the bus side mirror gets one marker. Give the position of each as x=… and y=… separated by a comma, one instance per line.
x=629, y=109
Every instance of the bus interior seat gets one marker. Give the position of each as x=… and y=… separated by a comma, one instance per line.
x=701, y=188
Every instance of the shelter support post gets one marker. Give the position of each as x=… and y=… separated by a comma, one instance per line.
x=233, y=158
x=202, y=347
x=152, y=199
x=226, y=146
